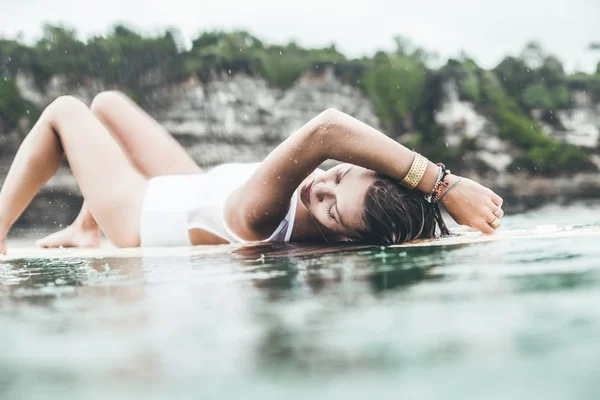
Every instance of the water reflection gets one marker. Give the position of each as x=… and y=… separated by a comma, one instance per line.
x=283, y=267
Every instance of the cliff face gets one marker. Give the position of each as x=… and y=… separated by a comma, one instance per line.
x=579, y=125
x=242, y=118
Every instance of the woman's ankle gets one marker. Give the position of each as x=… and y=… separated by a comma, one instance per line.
x=85, y=224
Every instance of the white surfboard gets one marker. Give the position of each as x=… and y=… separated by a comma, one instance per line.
x=24, y=249
x=541, y=232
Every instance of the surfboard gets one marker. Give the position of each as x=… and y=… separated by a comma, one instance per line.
x=473, y=237
x=18, y=249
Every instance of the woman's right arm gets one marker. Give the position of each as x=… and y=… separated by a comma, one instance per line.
x=254, y=210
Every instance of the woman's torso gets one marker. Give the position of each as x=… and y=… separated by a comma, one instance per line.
x=177, y=204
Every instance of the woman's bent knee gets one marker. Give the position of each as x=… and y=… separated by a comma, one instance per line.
x=65, y=106
x=105, y=101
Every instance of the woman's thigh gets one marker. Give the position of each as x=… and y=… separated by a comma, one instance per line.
x=147, y=144
x=113, y=189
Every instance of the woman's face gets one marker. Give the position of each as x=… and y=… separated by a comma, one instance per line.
x=336, y=198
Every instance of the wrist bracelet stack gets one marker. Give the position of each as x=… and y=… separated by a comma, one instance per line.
x=416, y=172
x=435, y=194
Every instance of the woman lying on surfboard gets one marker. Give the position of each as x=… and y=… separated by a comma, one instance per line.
x=140, y=187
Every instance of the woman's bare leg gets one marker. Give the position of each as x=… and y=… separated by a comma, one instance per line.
x=112, y=189
x=146, y=144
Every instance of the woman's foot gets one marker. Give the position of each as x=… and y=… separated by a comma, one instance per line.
x=72, y=236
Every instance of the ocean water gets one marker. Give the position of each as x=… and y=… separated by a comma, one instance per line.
x=517, y=319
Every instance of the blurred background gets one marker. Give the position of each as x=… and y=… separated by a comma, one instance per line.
x=505, y=93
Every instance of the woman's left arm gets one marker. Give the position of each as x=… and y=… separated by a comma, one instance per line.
x=255, y=209
x=469, y=203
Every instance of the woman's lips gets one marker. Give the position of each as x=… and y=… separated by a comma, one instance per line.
x=307, y=190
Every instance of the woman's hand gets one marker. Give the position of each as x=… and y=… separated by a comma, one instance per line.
x=472, y=204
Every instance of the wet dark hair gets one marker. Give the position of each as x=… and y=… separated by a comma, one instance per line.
x=394, y=214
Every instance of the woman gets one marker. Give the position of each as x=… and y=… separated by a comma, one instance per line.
x=141, y=188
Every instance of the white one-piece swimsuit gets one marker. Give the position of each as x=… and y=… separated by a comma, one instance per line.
x=174, y=204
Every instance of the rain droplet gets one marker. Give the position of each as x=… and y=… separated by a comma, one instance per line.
x=229, y=71
x=92, y=273
x=280, y=53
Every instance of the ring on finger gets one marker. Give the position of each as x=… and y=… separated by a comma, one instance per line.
x=496, y=212
x=495, y=223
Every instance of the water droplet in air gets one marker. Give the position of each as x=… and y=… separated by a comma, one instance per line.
x=280, y=53
x=92, y=273
x=229, y=71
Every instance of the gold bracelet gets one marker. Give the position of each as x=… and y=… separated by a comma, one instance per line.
x=416, y=172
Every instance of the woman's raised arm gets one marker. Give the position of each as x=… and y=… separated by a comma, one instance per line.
x=256, y=209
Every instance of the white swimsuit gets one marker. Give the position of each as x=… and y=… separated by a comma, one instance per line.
x=174, y=204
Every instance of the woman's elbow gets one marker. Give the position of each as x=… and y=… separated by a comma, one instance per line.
x=329, y=121
x=330, y=116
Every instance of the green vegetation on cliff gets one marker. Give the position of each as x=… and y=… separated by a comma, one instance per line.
x=404, y=90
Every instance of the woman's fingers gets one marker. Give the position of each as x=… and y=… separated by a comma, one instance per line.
x=497, y=199
x=484, y=227
x=495, y=223
x=496, y=209
x=488, y=222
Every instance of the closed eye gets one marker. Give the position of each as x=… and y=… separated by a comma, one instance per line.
x=329, y=212
x=338, y=176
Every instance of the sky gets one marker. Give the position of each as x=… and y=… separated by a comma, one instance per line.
x=486, y=31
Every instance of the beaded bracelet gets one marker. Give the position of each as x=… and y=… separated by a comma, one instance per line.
x=434, y=195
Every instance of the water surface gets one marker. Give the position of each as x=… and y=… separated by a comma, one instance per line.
x=507, y=319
